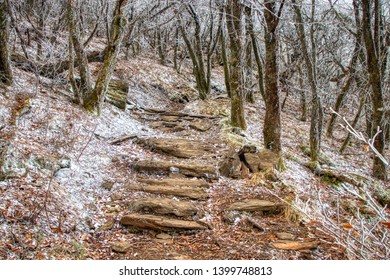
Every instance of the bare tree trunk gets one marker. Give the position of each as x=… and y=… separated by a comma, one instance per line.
x=373, y=51
x=352, y=71
x=94, y=100
x=316, y=112
x=256, y=54
x=272, y=123
x=82, y=60
x=225, y=61
x=302, y=95
x=6, y=76
x=236, y=59
x=354, y=123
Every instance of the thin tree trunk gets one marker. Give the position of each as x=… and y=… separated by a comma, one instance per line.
x=6, y=76
x=225, y=62
x=94, y=100
x=374, y=71
x=82, y=60
x=316, y=112
x=234, y=29
x=256, y=54
x=302, y=95
x=354, y=124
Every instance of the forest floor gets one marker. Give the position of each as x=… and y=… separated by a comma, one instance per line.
x=144, y=183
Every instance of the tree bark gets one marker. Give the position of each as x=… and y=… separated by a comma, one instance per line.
x=234, y=28
x=316, y=112
x=272, y=123
x=374, y=70
x=95, y=98
x=6, y=76
x=81, y=57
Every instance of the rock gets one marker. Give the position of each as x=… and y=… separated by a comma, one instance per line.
x=170, y=118
x=159, y=223
x=178, y=147
x=285, y=236
x=200, y=126
x=192, y=169
x=182, y=191
x=176, y=182
x=177, y=257
x=117, y=93
x=295, y=245
x=121, y=247
x=252, y=205
x=164, y=206
x=261, y=160
x=163, y=236
x=231, y=165
x=64, y=163
x=108, y=185
x=109, y=224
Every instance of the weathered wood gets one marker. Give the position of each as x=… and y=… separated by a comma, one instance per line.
x=164, y=206
x=181, y=191
x=159, y=223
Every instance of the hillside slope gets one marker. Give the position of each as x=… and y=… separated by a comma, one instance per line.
x=74, y=186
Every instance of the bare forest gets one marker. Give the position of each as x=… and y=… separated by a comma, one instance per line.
x=194, y=130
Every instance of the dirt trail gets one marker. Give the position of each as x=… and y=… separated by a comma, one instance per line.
x=176, y=205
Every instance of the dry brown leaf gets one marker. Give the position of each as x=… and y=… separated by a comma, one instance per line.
x=295, y=245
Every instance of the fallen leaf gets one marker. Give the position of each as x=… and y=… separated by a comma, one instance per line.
x=386, y=224
x=347, y=226
x=294, y=245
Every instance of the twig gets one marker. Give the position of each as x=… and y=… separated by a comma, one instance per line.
x=360, y=136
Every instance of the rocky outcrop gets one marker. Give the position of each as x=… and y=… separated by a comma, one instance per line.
x=236, y=164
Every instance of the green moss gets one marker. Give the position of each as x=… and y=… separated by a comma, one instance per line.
x=383, y=196
x=281, y=166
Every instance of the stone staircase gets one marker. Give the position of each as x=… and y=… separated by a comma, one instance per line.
x=174, y=184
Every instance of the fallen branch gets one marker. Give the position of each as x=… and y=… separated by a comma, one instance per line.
x=178, y=114
x=360, y=136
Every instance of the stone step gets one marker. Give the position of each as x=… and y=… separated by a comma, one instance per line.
x=164, y=206
x=144, y=221
x=192, y=192
x=254, y=205
x=177, y=147
x=191, y=169
x=175, y=182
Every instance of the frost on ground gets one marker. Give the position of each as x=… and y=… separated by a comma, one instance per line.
x=57, y=158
